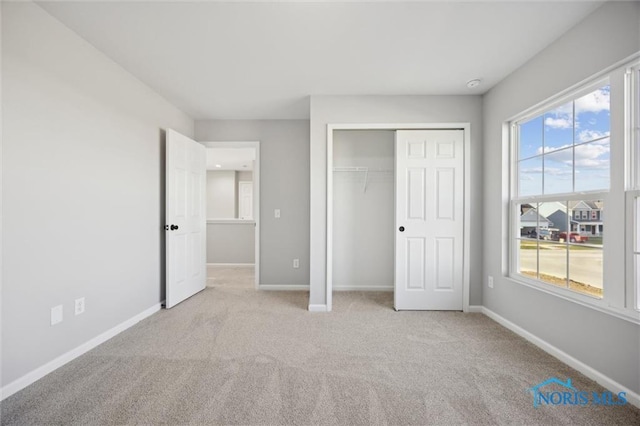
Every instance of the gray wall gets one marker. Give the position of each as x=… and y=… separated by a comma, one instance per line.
x=608, y=344
x=284, y=185
x=363, y=221
x=389, y=109
x=221, y=194
x=82, y=189
x=231, y=242
x=244, y=176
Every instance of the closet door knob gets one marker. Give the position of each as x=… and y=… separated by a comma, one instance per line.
x=174, y=227
x=401, y=229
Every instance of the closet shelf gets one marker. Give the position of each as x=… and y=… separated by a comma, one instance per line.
x=365, y=170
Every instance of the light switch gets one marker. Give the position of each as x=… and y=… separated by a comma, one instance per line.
x=276, y=213
x=79, y=306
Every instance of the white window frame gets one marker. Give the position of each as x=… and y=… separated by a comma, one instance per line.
x=632, y=193
x=621, y=297
x=633, y=248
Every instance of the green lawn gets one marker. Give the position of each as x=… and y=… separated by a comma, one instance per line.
x=545, y=245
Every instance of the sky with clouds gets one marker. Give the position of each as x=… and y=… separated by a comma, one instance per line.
x=549, y=144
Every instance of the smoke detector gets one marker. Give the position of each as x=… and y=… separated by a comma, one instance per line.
x=473, y=83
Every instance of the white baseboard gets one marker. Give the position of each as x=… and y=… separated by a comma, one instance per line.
x=40, y=372
x=231, y=264
x=284, y=287
x=475, y=309
x=590, y=372
x=362, y=288
x=318, y=308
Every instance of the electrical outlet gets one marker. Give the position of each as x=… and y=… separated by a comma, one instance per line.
x=296, y=263
x=490, y=282
x=56, y=315
x=276, y=213
x=79, y=306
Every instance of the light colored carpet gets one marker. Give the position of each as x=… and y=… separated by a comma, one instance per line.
x=232, y=355
x=230, y=275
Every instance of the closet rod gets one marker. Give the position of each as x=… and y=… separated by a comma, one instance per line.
x=355, y=169
x=361, y=169
x=366, y=171
x=350, y=169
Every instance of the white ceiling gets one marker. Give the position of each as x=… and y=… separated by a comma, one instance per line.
x=230, y=158
x=263, y=59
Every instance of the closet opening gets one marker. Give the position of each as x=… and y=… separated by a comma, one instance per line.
x=363, y=210
x=398, y=213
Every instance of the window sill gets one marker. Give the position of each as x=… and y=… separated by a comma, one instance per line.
x=599, y=305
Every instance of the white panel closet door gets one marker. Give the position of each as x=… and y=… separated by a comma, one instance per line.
x=186, y=269
x=429, y=219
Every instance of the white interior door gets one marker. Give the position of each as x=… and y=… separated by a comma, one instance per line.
x=245, y=189
x=429, y=219
x=185, y=218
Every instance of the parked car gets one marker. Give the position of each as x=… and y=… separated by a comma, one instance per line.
x=573, y=237
x=542, y=234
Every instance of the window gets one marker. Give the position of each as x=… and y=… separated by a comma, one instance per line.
x=557, y=255
x=574, y=197
x=633, y=194
x=566, y=149
x=562, y=170
x=635, y=253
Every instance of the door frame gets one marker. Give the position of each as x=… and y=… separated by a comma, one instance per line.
x=466, y=128
x=256, y=194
